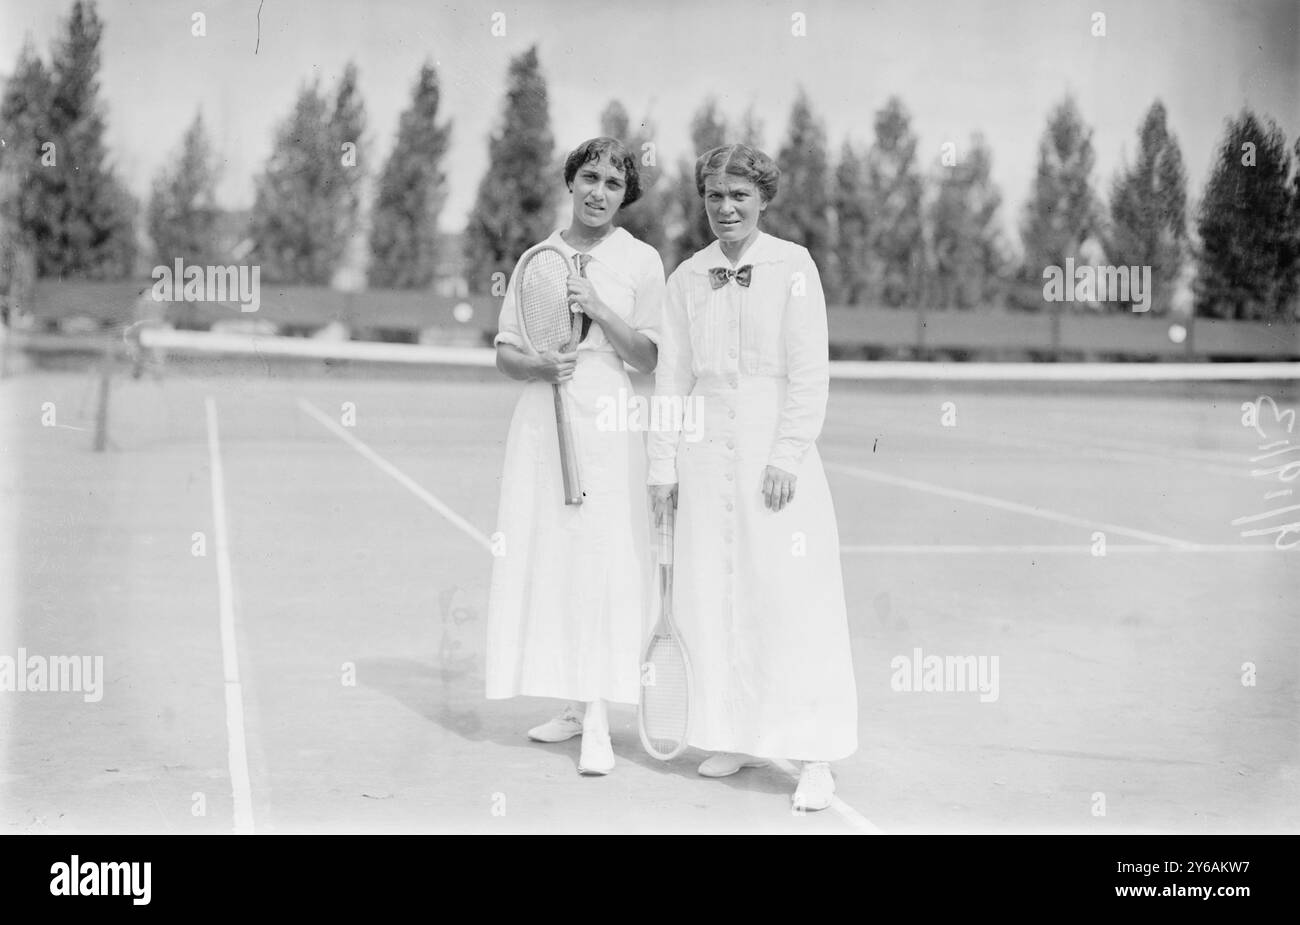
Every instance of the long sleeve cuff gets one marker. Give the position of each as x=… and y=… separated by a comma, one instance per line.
x=786, y=457
x=661, y=472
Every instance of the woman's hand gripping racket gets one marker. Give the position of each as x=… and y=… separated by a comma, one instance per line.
x=664, y=714
x=542, y=297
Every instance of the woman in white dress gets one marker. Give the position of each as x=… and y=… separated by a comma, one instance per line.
x=758, y=592
x=568, y=606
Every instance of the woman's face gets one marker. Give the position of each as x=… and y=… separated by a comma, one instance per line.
x=598, y=190
x=733, y=206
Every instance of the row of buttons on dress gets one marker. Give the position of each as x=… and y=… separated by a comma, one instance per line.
x=732, y=381
x=732, y=698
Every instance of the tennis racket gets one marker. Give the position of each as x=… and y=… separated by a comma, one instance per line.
x=542, y=297
x=664, y=715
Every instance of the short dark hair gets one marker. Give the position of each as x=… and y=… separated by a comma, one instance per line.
x=592, y=150
x=742, y=161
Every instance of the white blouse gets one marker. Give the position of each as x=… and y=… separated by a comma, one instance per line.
x=774, y=327
x=626, y=273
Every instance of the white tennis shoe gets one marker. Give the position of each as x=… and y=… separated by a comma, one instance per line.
x=816, y=787
x=564, y=727
x=725, y=764
x=597, y=757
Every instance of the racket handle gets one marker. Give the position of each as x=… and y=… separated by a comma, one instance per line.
x=581, y=322
x=664, y=526
x=568, y=455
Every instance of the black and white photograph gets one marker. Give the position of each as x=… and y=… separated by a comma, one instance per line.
x=711, y=417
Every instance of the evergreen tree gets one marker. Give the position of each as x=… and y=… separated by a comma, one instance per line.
x=182, y=212
x=307, y=201
x=614, y=121
x=1062, y=211
x=294, y=227
x=644, y=219
x=24, y=126
x=854, y=263
x=751, y=129
x=515, y=207
x=894, y=191
x=1289, y=296
x=1247, y=226
x=89, y=226
x=412, y=191
x=708, y=131
x=347, y=130
x=968, y=260
x=1148, y=210
x=802, y=208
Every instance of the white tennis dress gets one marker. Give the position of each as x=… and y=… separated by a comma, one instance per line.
x=758, y=595
x=569, y=609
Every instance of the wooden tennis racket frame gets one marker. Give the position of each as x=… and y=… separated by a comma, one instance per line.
x=563, y=423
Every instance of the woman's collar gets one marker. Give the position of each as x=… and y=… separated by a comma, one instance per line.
x=760, y=250
x=558, y=238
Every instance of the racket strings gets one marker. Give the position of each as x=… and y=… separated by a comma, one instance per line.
x=665, y=696
x=544, y=301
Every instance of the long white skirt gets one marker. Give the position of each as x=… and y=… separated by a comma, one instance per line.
x=568, y=609
x=759, y=596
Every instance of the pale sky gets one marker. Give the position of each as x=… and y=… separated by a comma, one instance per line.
x=995, y=66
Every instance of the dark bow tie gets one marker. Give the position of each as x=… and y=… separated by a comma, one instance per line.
x=581, y=261
x=718, y=276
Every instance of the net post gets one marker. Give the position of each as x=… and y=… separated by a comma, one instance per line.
x=101, y=407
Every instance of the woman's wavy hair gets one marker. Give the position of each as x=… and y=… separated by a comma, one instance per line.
x=742, y=161
x=596, y=148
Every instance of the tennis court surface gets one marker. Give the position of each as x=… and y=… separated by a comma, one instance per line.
x=286, y=578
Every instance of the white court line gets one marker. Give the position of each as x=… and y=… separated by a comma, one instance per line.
x=1188, y=454
x=847, y=812
x=1098, y=451
x=1110, y=450
x=937, y=549
x=1001, y=504
x=1216, y=460
x=852, y=816
x=384, y=465
x=238, y=751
